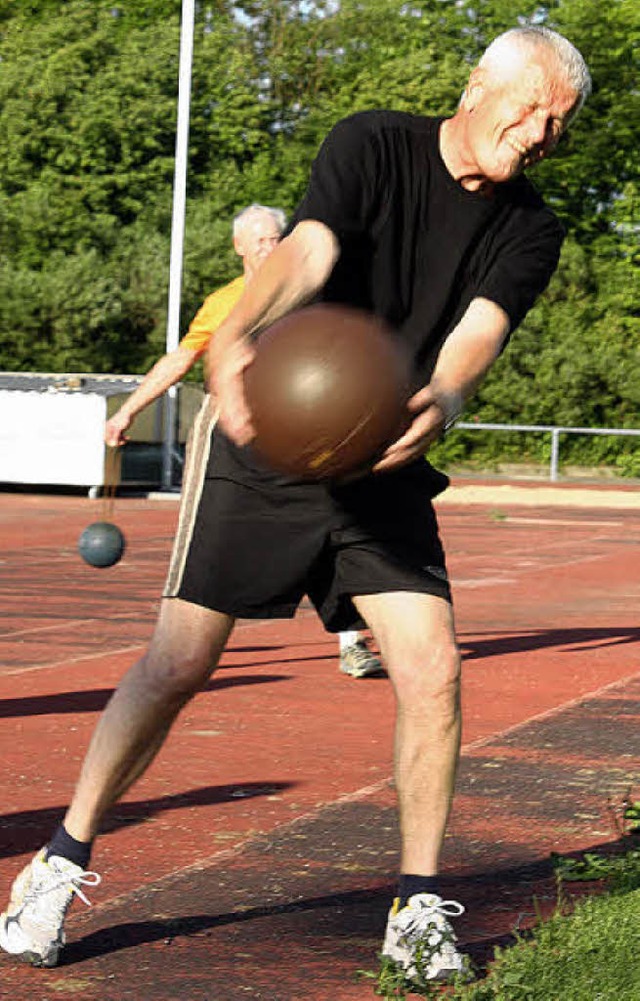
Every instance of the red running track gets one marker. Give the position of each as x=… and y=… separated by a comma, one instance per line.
x=272, y=792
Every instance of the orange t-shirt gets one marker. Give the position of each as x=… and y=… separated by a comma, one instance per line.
x=215, y=308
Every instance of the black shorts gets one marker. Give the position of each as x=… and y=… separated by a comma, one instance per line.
x=253, y=550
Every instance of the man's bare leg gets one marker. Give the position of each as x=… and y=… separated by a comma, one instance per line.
x=183, y=653
x=185, y=649
x=415, y=633
x=417, y=641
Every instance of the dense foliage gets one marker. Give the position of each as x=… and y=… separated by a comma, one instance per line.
x=87, y=134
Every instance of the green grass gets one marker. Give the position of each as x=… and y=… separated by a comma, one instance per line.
x=589, y=954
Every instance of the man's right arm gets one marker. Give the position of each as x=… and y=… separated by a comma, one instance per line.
x=165, y=373
x=292, y=275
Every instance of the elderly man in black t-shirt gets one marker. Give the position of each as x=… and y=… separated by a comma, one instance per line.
x=430, y=224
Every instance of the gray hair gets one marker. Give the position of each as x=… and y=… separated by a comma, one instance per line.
x=532, y=36
x=243, y=217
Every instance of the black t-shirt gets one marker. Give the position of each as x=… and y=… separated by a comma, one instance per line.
x=415, y=247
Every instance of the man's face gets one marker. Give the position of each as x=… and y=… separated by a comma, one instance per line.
x=256, y=239
x=516, y=119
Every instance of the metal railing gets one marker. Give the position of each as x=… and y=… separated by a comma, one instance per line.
x=554, y=430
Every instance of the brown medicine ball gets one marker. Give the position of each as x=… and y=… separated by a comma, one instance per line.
x=328, y=390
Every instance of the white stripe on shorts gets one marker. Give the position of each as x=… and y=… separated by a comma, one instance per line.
x=195, y=467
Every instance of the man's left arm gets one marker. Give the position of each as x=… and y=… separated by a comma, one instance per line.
x=464, y=359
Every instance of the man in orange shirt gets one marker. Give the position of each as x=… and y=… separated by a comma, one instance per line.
x=256, y=231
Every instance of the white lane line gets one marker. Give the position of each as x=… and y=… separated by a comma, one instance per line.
x=510, y=520
x=94, y=655
x=549, y=713
x=65, y=624
x=106, y=652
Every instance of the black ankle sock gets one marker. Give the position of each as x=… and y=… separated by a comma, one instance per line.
x=78, y=852
x=409, y=885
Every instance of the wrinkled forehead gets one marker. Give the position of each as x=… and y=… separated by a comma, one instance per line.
x=538, y=77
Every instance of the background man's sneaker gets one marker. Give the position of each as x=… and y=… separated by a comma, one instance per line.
x=357, y=661
x=31, y=928
x=421, y=941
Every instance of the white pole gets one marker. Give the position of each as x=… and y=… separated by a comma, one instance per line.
x=177, y=225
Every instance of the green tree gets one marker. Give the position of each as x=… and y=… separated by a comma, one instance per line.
x=88, y=95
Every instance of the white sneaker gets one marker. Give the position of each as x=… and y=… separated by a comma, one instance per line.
x=31, y=928
x=420, y=940
x=357, y=661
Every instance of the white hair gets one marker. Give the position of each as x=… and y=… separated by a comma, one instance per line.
x=243, y=217
x=569, y=59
